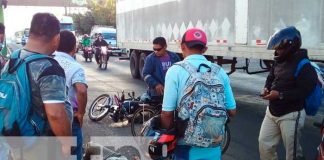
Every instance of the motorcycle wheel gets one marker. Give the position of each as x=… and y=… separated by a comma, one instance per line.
x=100, y=61
x=100, y=105
x=104, y=61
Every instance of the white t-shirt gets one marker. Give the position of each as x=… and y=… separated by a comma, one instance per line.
x=74, y=73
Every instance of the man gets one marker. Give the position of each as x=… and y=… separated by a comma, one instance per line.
x=285, y=115
x=155, y=67
x=86, y=41
x=98, y=43
x=193, y=45
x=3, y=48
x=47, y=78
x=76, y=83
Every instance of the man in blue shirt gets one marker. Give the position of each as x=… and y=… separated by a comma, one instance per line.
x=155, y=67
x=193, y=45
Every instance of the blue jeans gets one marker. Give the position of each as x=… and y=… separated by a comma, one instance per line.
x=181, y=152
x=77, y=132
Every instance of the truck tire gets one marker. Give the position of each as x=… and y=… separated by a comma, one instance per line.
x=134, y=63
x=141, y=63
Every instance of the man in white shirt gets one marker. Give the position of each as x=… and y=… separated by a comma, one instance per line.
x=76, y=83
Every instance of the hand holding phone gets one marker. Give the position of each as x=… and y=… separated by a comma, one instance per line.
x=264, y=92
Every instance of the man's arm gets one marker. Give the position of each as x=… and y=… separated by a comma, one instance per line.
x=58, y=119
x=148, y=70
x=270, y=78
x=230, y=103
x=82, y=98
x=167, y=119
x=170, y=97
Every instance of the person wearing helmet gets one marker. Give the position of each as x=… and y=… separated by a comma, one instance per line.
x=100, y=42
x=86, y=41
x=285, y=115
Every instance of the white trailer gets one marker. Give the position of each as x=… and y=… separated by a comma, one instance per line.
x=235, y=28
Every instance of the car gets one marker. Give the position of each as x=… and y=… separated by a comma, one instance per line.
x=25, y=36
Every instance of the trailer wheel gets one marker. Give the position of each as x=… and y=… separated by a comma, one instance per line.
x=134, y=63
x=141, y=63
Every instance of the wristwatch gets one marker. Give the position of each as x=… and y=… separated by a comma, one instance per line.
x=281, y=95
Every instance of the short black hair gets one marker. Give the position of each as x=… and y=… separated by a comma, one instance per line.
x=67, y=41
x=197, y=47
x=2, y=28
x=44, y=25
x=160, y=40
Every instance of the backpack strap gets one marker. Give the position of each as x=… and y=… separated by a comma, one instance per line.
x=300, y=66
x=187, y=66
x=16, y=60
x=215, y=69
x=14, y=63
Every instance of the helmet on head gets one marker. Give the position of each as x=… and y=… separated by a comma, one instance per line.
x=164, y=141
x=287, y=39
x=85, y=36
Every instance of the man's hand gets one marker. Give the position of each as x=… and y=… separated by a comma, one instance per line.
x=264, y=92
x=159, y=89
x=273, y=95
x=79, y=116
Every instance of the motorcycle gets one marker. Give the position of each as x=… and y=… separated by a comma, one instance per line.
x=87, y=53
x=103, y=57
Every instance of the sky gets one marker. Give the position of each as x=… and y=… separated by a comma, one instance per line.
x=18, y=18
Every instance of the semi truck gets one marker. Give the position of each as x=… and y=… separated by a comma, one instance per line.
x=236, y=29
x=66, y=23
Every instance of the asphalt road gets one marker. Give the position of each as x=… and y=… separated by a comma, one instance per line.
x=244, y=126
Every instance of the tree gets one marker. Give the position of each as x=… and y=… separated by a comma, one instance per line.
x=104, y=11
x=83, y=22
x=101, y=12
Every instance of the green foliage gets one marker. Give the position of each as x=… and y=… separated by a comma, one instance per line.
x=83, y=22
x=101, y=12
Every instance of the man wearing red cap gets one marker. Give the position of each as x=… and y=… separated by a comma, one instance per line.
x=196, y=89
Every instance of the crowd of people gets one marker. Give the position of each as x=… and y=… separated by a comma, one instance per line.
x=196, y=94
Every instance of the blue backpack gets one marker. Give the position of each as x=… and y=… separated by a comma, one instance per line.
x=314, y=100
x=202, y=106
x=16, y=115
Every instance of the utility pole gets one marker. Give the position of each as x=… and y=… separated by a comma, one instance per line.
x=65, y=7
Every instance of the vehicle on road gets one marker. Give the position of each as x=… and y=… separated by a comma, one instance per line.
x=25, y=36
x=87, y=53
x=66, y=23
x=109, y=35
x=18, y=37
x=103, y=56
x=236, y=29
x=119, y=108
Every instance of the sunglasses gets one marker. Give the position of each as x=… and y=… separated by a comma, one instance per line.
x=157, y=49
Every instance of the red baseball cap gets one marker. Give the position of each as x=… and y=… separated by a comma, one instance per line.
x=194, y=36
